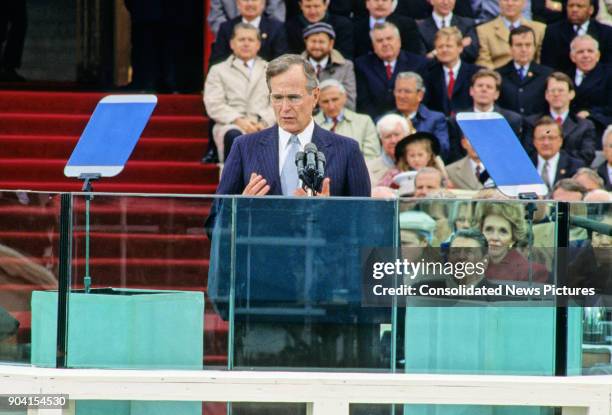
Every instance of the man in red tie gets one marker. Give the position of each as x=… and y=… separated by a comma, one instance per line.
x=376, y=71
x=579, y=138
x=448, y=80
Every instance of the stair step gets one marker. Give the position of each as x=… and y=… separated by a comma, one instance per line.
x=85, y=102
x=60, y=147
x=136, y=188
x=136, y=171
x=71, y=124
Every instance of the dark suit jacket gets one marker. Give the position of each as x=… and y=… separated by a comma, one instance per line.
x=258, y=152
x=455, y=133
x=409, y=33
x=566, y=168
x=602, y=170
x=579, y=139
x=421, y=9
x=343, y=26
x=595, y=95
x=273, y=39
x=428, y=30
x=435, y=123
x=555, y=47
x=374, y=90
x=525, y=97
x=437, y=96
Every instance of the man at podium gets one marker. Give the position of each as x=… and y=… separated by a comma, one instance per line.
x=264, y=162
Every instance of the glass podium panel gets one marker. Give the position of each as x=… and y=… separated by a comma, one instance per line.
x=29, y=240
x=297, y=284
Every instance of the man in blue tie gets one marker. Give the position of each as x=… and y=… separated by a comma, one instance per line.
x=264, y=162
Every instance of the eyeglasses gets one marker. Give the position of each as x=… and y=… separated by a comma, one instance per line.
x=292, y=99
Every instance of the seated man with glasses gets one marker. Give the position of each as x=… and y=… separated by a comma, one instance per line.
x=264, y=162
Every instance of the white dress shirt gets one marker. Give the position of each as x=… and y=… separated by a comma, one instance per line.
x=455, y=71
x=553, y=162
x=579, y=77
x=582, y=29
x=305, y=137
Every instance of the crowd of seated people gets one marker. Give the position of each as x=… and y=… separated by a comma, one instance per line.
x=395, y=74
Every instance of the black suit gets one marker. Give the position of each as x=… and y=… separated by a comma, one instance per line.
x=566, y=167
x=374, y=90
x=514, y=120
x=527, y=96
x=409, y=34
x=595, y=95
x=579, y=138
x=428, y=30
x=555, y=47
x=602, y=170
x=437, y=95
x=273, y=39
x=343, y=26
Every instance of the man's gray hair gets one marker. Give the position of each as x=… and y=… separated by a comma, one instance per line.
x=383, y=26
x=420, y=85
x=606, y=135
x=583, y=37
x=430, y=170
x=591, y=174
x=245, y=26
x=389, y=122
x=284, y=62
x=332, y=83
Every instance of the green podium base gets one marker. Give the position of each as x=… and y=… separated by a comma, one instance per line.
x=123, y=329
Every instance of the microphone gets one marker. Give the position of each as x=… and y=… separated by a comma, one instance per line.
x=299, y=162
x=311, y=159
x=592, y=225
x=320, y=168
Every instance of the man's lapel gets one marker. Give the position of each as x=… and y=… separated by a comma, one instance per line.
x=268, y=160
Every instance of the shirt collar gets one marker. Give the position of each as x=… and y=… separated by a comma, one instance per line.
x=373, y=21
x=517, y=67
x=305, y=136
x=454, y=68
x=491, y=109
x=551, y=161
x=438, y=19
x=388, y=160
x=255, y=22
x=584, y=27
x=563, y=115
x=322, y=62
x=340, y=118
x=510, y=24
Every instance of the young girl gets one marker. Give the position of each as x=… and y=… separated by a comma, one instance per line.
x=417, y=151
x=414, y=152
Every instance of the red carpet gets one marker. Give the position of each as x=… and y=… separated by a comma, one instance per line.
x=136, y=242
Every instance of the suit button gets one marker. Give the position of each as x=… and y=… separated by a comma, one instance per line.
x=522, y=110
x=520, y=89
